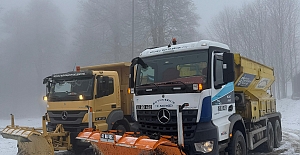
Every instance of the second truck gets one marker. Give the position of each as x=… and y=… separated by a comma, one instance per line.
x=101, y=89
x=94, y=93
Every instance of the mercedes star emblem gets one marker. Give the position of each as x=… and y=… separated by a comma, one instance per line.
x=64, y=115
x=163, y=116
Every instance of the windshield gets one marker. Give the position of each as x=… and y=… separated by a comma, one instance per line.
x=69, y=90
x=185, y=67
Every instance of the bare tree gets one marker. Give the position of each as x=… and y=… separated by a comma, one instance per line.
x=284, y=16
x=225, y=29
x=266, y=31
x=165, y=19
x=104, y=30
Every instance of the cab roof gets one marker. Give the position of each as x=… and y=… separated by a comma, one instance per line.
x=107, y=66
x=202, y=44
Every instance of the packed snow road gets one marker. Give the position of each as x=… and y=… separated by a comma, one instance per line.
x=290, y=144
x=290, y=126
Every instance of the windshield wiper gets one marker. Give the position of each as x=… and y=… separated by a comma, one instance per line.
x=150, y=84
x=175, y=82
x=55, y=97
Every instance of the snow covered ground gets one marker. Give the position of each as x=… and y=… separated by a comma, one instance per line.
x=289, y=109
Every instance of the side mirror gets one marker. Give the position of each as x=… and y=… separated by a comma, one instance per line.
x=228, y=67
x=45, y=80
x=131, y=76
x=134, y=62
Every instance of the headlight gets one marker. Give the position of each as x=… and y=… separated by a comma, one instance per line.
x=204, y=147
x=80, y=97
x=45, y=98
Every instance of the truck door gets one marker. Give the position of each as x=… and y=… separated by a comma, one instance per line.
x=222, y=97
x=105, y=99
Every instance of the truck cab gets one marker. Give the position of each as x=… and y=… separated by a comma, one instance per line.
x=186, y=73
x=102, y=89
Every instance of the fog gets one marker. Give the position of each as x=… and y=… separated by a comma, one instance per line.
x=39, y=38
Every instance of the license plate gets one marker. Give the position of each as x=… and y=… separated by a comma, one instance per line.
x=107, y=137
x=143, y=107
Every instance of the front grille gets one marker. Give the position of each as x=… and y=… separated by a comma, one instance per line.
x=73, y=112
x=76, y=128
x=73, y=117
x=150, y=125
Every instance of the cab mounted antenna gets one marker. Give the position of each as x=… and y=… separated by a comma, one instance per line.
x=74, y=66
x=169, y=44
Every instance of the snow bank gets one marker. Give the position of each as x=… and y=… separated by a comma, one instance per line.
x=290, y=110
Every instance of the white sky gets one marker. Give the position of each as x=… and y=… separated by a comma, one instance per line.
x=207, y=9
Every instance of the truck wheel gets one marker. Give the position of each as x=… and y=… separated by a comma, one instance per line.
x=237, y=145
x=277, y=134
x=78, y=150
x=269, y=144
x=89, y=151
x=120, y=126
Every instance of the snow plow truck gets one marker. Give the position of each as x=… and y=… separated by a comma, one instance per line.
x=98, y=93
x=195, y=98
x=100, y=89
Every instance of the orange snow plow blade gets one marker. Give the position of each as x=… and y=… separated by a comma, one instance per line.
x=109, y=143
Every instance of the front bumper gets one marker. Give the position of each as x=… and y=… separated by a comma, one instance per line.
x=204, y=132
x=74, y=130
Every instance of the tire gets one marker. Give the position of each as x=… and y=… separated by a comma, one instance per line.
x=121, y=126
x=269, y=144
x=277, y=134
x=78, y=150
x=89, y=151
x=237, y=145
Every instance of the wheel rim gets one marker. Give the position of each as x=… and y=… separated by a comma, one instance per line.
x=239, y=149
